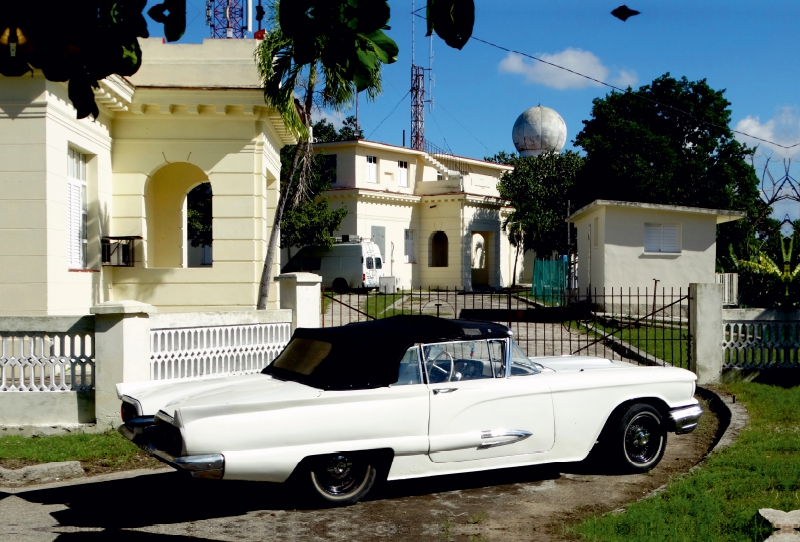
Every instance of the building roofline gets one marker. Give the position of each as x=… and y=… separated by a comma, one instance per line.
x=405, y=150
x=722, y=215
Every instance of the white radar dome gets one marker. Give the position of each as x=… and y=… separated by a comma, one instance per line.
x=537, y=130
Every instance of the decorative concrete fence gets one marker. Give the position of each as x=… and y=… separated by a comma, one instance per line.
x=63, y=370
x=760, y=339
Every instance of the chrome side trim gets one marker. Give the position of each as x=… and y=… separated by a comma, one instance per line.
x=515, y=434
x=437, y=391
x=684, y=420
x=200, y=466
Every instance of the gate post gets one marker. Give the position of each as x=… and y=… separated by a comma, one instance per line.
x=302, y=293
x=705, y=330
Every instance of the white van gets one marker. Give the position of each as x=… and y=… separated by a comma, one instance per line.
x=352, y=262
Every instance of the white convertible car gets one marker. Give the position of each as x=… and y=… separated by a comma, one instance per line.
x=407, y=396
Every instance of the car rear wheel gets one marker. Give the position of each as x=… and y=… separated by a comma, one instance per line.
x=342, y=478
x=340, y=286
x=640, y=439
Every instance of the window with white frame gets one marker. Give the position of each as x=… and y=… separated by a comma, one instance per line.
x=408, y=250
x=664, y=238
x=76, y=210
x=402, y=176
x=372, y=169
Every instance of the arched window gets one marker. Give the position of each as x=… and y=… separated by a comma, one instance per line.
x=198, y=226
x=438, y=249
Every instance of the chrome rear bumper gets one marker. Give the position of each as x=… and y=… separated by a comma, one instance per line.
x=200, y=466
x=684, y=420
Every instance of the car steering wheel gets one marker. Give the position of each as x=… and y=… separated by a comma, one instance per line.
x=436, y=367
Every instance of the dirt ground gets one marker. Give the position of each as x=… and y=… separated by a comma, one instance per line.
x=520, y=504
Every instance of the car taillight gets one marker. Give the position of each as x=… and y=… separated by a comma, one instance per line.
x=127, y=412
x=363, y=276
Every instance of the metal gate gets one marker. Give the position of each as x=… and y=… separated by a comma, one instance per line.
x=639, y=326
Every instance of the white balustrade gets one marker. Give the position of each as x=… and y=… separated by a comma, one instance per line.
x=46, y=361
x=207, y=351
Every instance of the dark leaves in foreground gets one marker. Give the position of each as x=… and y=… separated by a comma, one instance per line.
x=80, y=42
x=623, y=13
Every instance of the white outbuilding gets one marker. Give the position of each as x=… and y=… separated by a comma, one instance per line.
x=625, y=245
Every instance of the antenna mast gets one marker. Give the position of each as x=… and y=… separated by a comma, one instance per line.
x=417, y=92
x=226, y=18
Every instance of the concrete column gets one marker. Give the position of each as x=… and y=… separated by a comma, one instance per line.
x=705, y=330
x=301, y=292
x=122, y=353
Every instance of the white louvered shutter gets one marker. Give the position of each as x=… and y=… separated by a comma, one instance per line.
x=74, y=224
x=652, y=237
x=409, y=247
x=670, y=238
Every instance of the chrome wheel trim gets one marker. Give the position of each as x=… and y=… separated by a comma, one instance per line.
x=643, y=439
x=339, y=477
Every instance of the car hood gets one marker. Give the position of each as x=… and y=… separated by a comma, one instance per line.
x=215, y=392
x=580, y=363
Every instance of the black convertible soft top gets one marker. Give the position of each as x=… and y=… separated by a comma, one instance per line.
x=367, y=355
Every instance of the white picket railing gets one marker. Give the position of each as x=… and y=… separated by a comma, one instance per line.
x=57, y=356
x=208, y=351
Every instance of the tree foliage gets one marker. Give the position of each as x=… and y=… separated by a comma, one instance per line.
x=81, y=42
x=312, y=222
x=199, y=215
x=669, y=143
x=539, y=189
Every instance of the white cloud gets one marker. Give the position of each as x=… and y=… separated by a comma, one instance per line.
x=783, y=129
x=584, y=62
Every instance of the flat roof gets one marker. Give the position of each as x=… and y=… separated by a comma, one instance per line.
x=723, y=215
x=407, y=150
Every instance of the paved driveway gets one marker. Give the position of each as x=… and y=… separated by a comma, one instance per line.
x=509, y=505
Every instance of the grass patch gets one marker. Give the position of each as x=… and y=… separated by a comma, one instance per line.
x=720, y=501
x=98, y=453
x=375, y=305
x=664, y=343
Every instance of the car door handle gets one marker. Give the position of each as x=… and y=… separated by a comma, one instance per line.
x=437, y=391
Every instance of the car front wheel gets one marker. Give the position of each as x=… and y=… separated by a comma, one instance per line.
x=640, y=439
x=342, y=478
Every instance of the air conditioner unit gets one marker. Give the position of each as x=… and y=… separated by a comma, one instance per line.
x=119, y=251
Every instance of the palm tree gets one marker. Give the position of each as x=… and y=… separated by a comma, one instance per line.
x=325, y=53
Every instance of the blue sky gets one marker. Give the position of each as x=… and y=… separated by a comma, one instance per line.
x=748, y=48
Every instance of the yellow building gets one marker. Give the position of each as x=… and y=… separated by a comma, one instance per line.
x=192, y=114
x=436, y=218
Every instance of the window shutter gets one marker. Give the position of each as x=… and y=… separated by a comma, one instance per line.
x=652, y=237
x=74, y=225
x=670, y=238
x=372, y=169
x=409, y=247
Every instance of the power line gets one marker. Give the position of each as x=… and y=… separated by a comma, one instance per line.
x=603, y=83
x=465, y=128
x=390, y=114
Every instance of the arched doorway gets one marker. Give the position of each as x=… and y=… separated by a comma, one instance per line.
x=479, y=258
x=439, y=248
x=165, y=208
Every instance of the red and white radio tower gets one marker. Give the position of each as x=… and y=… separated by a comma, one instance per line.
x=228, y=18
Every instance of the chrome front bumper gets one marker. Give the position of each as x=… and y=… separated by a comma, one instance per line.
x=684, y=420
x=200, y=466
